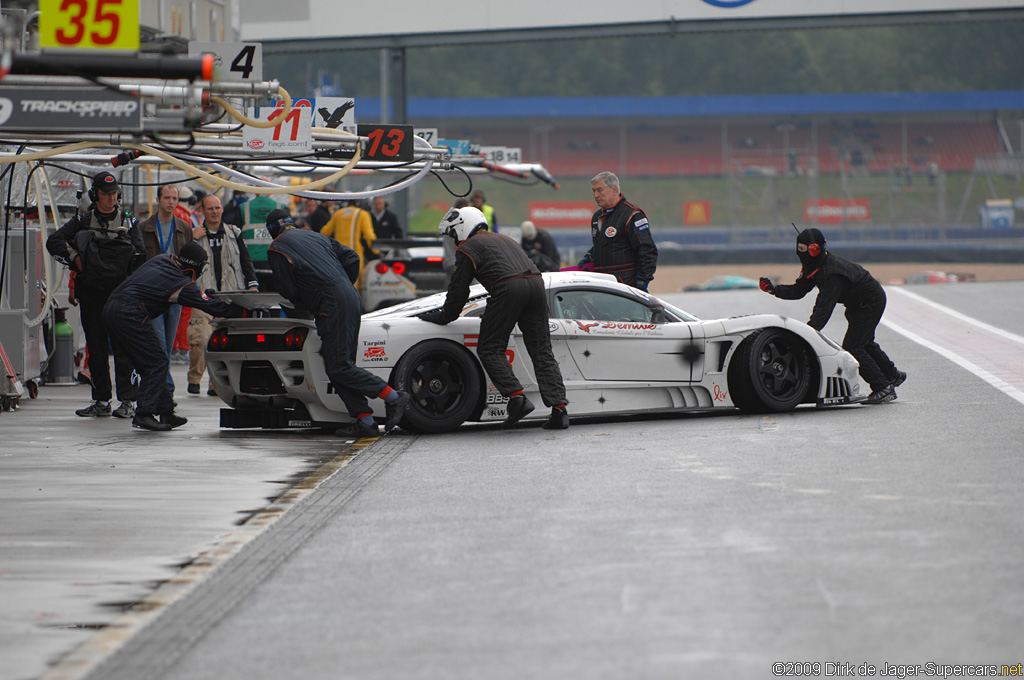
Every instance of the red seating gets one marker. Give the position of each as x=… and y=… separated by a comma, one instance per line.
x=674, y=148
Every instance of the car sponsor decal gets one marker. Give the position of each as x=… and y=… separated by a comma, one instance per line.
x=720, y=394
x=470, y=340
x=497, y=406
x=374, y=351
x=610, y=232
x=552, y=326
x=619, y=328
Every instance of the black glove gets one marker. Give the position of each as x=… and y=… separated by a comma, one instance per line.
x=433, y=316
x=210, y=292
x=766, y=285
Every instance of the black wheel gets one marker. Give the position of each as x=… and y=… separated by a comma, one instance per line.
x=445, y=383
x=770, y=372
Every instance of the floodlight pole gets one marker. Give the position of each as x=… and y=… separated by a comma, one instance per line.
x=393, y=70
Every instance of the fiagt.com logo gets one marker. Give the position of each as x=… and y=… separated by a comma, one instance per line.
x=728, y=4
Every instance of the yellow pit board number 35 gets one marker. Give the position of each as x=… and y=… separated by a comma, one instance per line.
x=89, y=24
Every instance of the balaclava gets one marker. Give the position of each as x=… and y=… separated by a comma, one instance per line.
x=813, y=257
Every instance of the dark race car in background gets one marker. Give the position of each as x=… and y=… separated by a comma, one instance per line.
x=405, y=270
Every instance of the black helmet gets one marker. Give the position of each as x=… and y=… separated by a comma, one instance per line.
x=277, y=221
x=192, y=256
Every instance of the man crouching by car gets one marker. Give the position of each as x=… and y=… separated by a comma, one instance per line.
x=166, y=279
x=316, y=274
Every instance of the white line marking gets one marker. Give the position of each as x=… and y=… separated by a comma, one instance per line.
x=995, y=381
x=957, y=315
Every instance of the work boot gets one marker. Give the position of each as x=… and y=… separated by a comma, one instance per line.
x=173, y=419
x=147, y=421
x=396, y=410
x=882, y=396
x=899, y=379
x=193, y=388
x=125, y=410
x=95, y=410
x=518, y=408
x=558, y=420
x=359, y=430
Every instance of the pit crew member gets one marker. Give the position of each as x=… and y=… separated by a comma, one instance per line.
x=841, y=281
x=102, y=246
x=622, y=241
x=316, y=274
x=162, y=281
x=516, y=296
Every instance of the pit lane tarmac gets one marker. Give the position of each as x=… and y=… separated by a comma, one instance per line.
x=667, y=547
x=102, y=526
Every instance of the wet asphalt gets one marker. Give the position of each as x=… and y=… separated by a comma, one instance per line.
x=706, y=546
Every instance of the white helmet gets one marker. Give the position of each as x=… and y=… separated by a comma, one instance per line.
x=460, y=223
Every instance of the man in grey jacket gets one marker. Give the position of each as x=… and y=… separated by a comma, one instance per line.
x=230, y=269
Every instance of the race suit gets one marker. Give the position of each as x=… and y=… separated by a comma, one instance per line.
x=91, y=236
x=316, y=274
x=517, y=295
x=145, y=295
x=622, y=243
x=845, y=282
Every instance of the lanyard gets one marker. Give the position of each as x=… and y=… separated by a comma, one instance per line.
x=164, y=245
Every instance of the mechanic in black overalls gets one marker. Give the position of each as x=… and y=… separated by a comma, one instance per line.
x=316, y=274
x=102, y=246
x=162, y=281
x=622, y=241
x=517, y=295
x=842, y=281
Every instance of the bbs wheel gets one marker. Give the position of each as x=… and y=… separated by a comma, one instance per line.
x=445, y=384
x=770, y=372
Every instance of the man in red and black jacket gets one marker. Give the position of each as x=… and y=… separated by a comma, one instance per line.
x=623, y=245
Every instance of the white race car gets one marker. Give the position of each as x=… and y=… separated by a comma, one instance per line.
x=620, y=350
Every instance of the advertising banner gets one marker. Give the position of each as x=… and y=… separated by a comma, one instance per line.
x=837, y=210
x=561, y=213
x=68, y=109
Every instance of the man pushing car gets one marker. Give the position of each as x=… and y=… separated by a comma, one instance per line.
x=316, y=274
x=516, y=297
x=840, y=281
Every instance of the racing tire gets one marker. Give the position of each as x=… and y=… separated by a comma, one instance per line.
x=445, y=383
x=770, y=372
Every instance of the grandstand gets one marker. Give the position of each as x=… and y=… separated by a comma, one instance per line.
x=907, y=161
x=712, y=136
